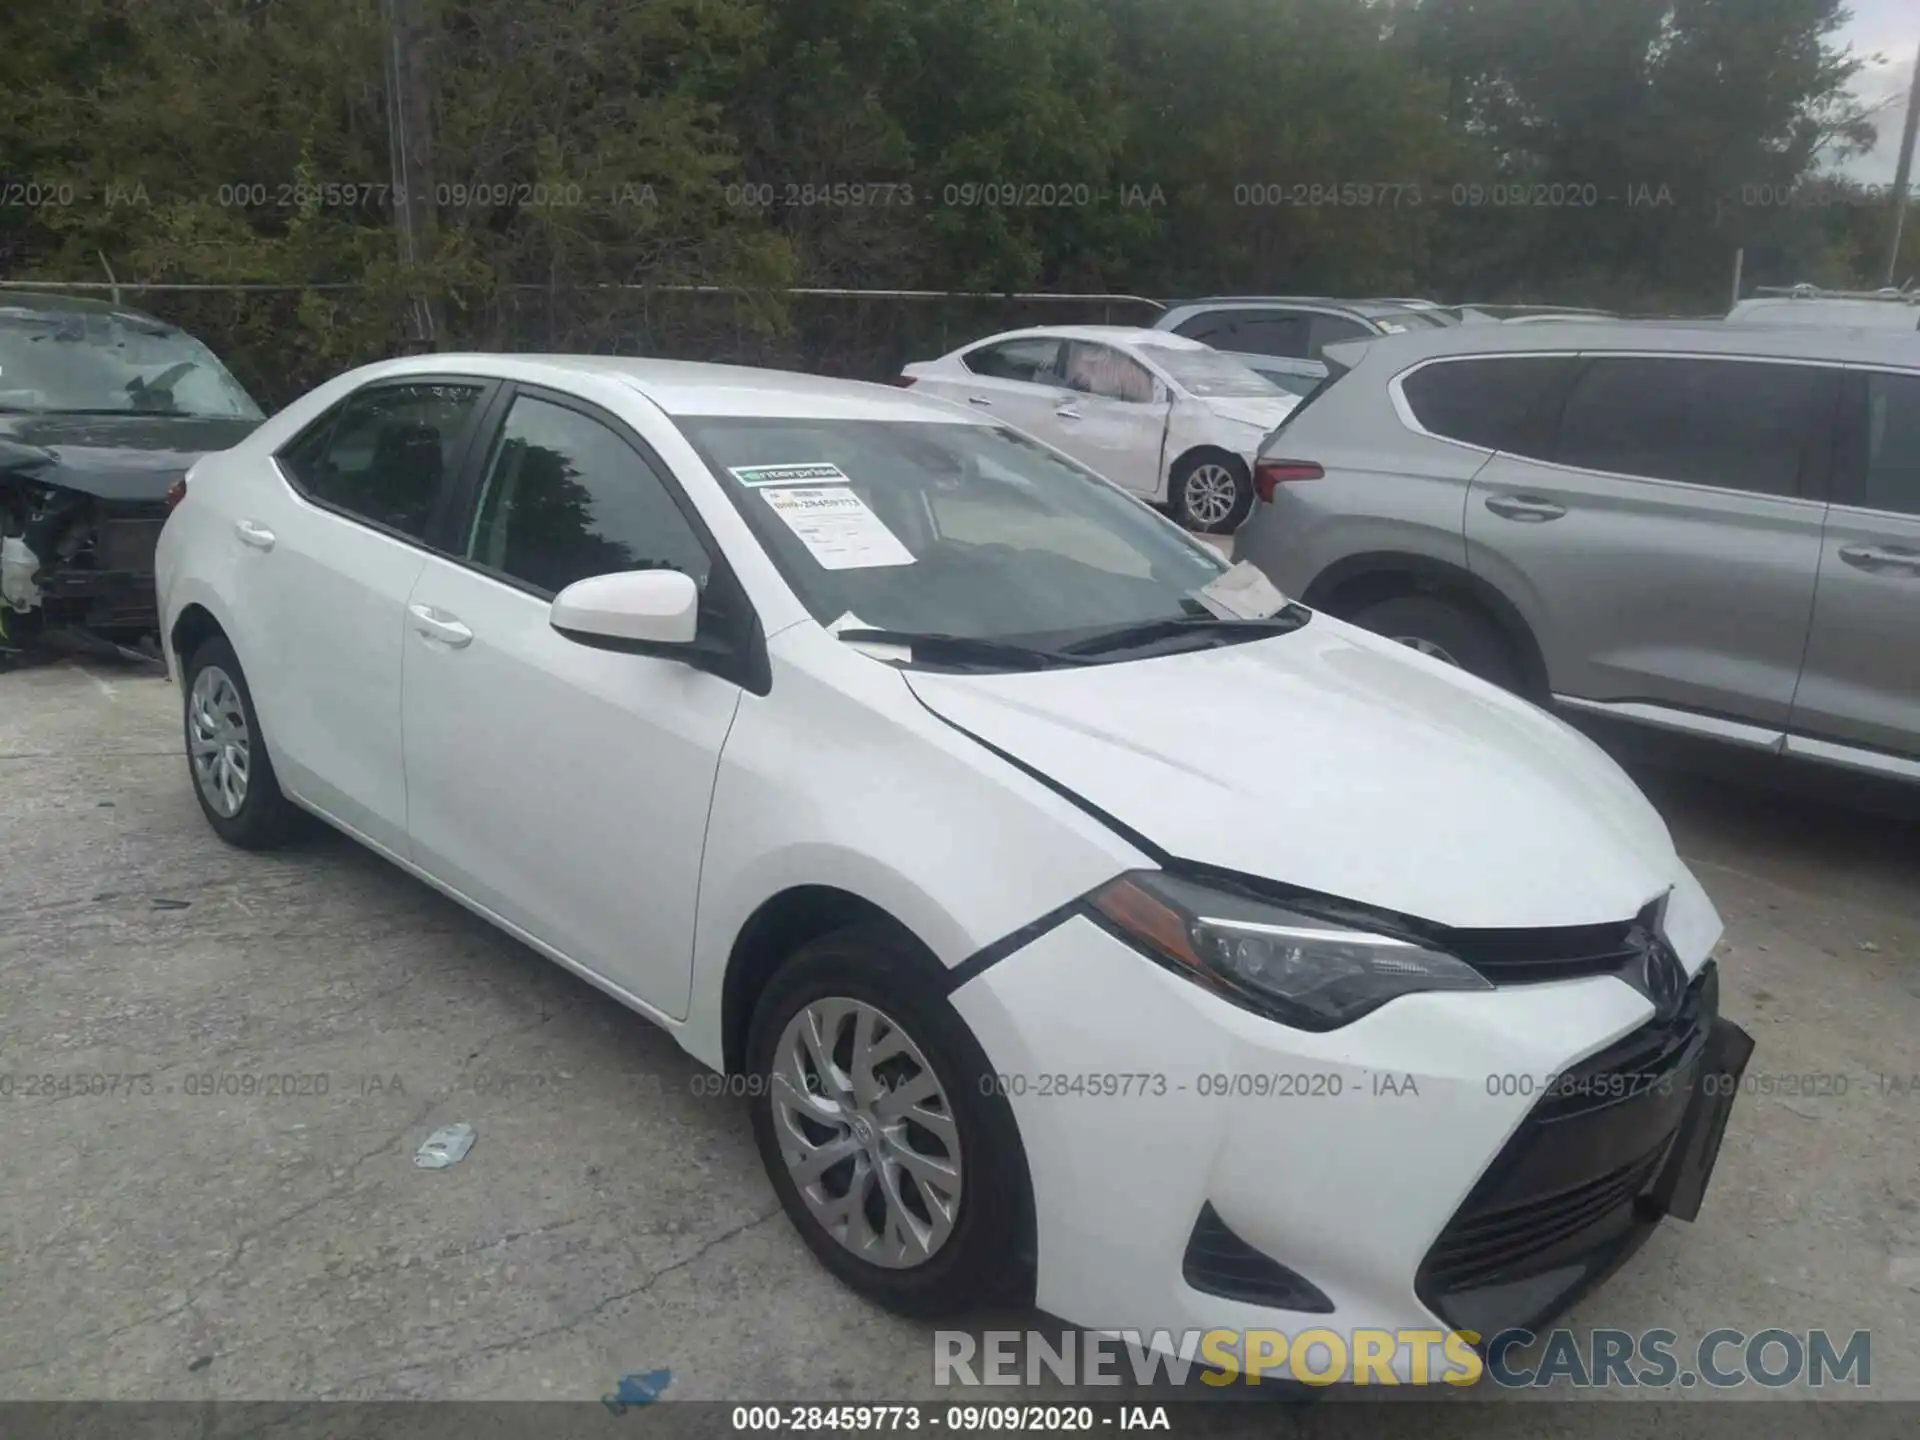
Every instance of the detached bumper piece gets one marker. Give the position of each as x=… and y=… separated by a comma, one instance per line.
x=1628, y=1137
x=1219, y=1262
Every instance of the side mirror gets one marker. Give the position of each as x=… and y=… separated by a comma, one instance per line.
x=633, y=609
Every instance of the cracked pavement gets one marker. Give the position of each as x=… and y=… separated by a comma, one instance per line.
x=238, y=1215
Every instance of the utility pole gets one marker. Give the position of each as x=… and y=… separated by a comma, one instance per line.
x=410, y=143
x=1903, y=173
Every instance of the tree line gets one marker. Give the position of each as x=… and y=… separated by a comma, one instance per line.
x=1610, y=152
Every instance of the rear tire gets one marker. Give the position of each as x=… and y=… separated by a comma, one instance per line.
x=1446, y=631
x=227, y=757
x=953, y=1188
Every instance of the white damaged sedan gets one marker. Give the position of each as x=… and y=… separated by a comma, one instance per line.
x=1087, y=924
x=1170, y=419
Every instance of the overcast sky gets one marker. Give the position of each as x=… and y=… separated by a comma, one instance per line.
x=1892, y=29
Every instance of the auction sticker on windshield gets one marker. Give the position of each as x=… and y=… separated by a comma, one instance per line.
x=818, y=472
x=837, y=528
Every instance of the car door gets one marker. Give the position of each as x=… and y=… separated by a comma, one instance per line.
x=1114, y=420
x=565, y=787
x=1860, y=686
x=1662, y=539
x=325, y=563
x=1017, y=381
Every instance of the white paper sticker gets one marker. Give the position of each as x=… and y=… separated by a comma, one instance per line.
x=837, y=528
x=817, y=472
x=1243, y=593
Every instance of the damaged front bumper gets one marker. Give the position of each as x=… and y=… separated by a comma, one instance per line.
x=69, y=560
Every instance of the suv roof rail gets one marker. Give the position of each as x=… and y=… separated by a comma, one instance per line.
x=1804, y=291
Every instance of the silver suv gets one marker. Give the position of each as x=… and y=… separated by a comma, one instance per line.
x=1708, y=529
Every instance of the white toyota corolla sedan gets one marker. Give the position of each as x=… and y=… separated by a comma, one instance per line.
x=1168, y=418
x=1086, y=923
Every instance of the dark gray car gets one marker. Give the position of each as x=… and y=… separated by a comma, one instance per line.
x=1704, y=528
x=102, y=409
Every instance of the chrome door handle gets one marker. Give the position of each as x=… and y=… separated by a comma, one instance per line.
x=1067, y=412
x=436, y=625
x=981, y=401
x=1524, y=507
x=1876, y=558
x=254, y=534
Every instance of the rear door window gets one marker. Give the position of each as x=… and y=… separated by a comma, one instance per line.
x=1488, y=403
x=1035, y=361
x=1732, y=424
x=385, y=453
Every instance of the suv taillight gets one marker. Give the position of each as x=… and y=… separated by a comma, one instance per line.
x=176, y=492
x=1270, y=475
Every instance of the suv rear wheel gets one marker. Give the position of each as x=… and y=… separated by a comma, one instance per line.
x=1446, y=631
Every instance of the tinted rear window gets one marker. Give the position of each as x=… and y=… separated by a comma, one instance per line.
x=1483, y=402
x=1738, y=425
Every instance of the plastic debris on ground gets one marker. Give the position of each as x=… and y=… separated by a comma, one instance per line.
x=446, y=1146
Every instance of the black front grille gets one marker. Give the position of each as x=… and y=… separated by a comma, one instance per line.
x=1496, y=1245
x=128, y=542
x=1563, y=1203
x=1219, y=1262
x=1535, y=957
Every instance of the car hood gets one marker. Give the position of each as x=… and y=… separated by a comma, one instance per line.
x=1266, y=414
x=1337, y=762
x=115, y=457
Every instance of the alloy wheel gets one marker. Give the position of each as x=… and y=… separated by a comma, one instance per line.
x=867, y=1132
x=1210, y=493
x=219, y=742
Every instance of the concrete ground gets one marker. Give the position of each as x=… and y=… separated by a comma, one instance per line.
x=176, y=1237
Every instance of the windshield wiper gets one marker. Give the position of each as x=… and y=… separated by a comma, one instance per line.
x=1219, y=630
x=964, y=650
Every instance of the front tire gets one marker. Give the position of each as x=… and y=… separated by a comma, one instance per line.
x=227, y=756
x=883, y=1133
x=1447, y=632
x=1211, y=493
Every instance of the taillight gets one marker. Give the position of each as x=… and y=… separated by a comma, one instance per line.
x=905, y=382
x=176, y=492
x=1270, y=475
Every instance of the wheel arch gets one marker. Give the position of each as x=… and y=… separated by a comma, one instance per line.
x=1348, y=586
x=192, y=628
x=779, y=927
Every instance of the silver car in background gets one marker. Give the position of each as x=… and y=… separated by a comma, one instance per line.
x=1710, y=529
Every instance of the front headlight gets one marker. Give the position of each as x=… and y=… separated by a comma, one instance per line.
x=1304, y=971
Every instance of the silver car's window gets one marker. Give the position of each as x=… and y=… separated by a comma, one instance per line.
x=1893, y=443
x=1483, y=402
x=1033, y=360
x=954, y=529
x=1738, y=425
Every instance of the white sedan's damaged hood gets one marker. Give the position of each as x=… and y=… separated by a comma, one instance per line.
x=1335, y=761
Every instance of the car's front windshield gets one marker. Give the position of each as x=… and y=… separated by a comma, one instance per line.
x=58, y=361
x=1209, y=374
x=950, y=528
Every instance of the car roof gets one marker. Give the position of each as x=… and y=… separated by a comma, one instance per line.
x=689, y=388
x=1686, y=337
x=49, y=302
x=1107, y=334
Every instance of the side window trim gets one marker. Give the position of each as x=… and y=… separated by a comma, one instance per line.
x=741, y=653
x=434, y=540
